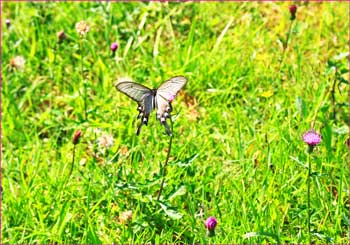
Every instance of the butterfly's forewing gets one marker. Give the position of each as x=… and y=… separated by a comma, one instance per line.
x=170, y=88
x=144, y=97
x=166, y=93
x=134, y=90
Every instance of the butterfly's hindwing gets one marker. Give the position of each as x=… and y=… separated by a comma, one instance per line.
x=163, y=112
x=145, y=108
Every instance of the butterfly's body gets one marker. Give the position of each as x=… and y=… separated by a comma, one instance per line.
x=150, y=99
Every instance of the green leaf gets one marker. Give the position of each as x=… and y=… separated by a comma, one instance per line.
x=256, y=234
x=188, y=161
x=327, y=137
x=341, y=56
x=341, y=130
x=173, y=214
x=300, y=105
x=179, y=192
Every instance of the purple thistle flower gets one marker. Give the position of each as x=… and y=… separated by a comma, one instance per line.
x=312, y=139
x=211, y=223
x=292, y=11
x=114, y=47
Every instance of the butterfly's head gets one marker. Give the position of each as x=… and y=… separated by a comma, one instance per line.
x=154, y=91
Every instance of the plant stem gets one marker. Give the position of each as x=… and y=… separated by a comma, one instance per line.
x=71, y=168
x=288, y=35
x=166, y=161
x=333, y=96
x=82, y=75
x=308, y=198
x=285, y=46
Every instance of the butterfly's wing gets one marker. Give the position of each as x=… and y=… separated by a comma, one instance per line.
x=142, y=95
x=170, y=88
x=163, y=112
x=134, y=90
x=166, y=93
x=145, y=108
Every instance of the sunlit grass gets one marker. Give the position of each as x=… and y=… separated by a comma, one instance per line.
x=237, y=152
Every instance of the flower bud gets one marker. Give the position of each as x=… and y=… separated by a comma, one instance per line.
x=61, y=35
x=211, y=223
x=114, y=47
x=76, y=137
x=292, y=11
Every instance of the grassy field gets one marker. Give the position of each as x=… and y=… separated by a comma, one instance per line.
x=257, y=81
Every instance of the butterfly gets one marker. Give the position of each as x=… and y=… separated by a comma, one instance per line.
x=149, y=99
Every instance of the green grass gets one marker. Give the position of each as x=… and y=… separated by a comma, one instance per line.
x=237, y=151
